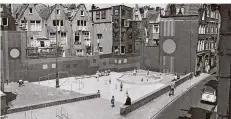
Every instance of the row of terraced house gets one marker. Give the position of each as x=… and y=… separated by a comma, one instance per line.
x=79, y=32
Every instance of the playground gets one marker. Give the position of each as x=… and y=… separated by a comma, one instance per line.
x=109, y=86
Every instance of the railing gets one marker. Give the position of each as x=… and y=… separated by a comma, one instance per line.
x=31, y=116
x=62, y=113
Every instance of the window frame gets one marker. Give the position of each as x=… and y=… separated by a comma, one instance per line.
x=82, y=11
x=30, y=10
x=7, y=21
x=103, y=14
x=97, y=15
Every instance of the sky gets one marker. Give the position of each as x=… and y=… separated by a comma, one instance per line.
x=130, y=5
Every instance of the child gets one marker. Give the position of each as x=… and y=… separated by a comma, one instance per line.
x=112, y=101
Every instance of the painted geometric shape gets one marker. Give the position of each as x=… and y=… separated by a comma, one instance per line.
x=14, y=53
x=169, y=46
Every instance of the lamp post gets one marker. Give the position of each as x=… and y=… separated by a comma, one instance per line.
x=57, y=73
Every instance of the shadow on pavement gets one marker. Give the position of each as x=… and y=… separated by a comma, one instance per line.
x=10, y=97
x=197, y=113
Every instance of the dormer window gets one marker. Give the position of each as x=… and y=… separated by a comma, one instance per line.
x=31, y=10
x=81, y=13
x=57, y=11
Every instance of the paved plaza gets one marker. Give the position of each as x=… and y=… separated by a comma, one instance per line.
x=91, y=85
x=100, y=108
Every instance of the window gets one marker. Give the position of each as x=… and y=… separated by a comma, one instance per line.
x=31, y=10
x=99, y=36
x=94, y=60
x=156, y=28
x=4, y=21
x=42, y=44
x=122, y=22
x=177, y=10
x=53, y=38
x=136, y=17
x=182, y=10
x=63, y=38
x=81, y=23
x=57, y=11
x=100, y=49
x=81, y=13
x=75, y=65
x=68, y=66
x=58, y=22
x=122, y=49
x=35, y=26
x=78, y=22
x=123, y=12
x=103, y=14
x=116, y=12
x=77, y=39
x=126, y=23
x=97, y=14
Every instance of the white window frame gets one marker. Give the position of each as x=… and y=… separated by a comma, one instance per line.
x=7, y=21
x=63, y=38
x=182, y=10
x=82, y=13
x=100, y=49
x=116, y=12
x=36, y=26
x=154, y=28
x=100, y=34
x=22, y=22
x=79, y=42
x=52, y=37
x=30, y=10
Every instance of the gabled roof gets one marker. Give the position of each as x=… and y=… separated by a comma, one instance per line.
x=72, y=6
x=77, y=9
x=152, y=15
x=42, y=10
x=53, y=7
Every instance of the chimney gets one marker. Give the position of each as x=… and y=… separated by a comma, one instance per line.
x=92, y=8
x=157, y=9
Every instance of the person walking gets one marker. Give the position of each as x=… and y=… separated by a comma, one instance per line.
x=121, y=86
x=109, y=80
x=113, y=101
x=172, y=87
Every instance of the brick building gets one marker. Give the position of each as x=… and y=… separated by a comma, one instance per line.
x=7, y=20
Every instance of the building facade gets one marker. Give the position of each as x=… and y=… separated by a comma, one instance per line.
x=209, y=27
x=80, y=32
x=102, y=30
x=32, y=19
x=123, y=43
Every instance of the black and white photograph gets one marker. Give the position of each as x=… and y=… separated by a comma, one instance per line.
x=105, y=60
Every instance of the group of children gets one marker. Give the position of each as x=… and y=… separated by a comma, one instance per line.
x=103, y=73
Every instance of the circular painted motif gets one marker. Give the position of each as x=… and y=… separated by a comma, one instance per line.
x=14, y=53
x=169, y=46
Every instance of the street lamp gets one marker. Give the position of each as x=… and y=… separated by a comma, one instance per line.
x=57, y=73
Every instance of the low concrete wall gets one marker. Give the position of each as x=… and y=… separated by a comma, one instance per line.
x=59, y=102
x=3, y=102
x=124, y=110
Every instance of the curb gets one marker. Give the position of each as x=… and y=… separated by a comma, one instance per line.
x=177, y=97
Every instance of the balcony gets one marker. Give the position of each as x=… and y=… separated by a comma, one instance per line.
x=77, y=43
x=82, y=28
